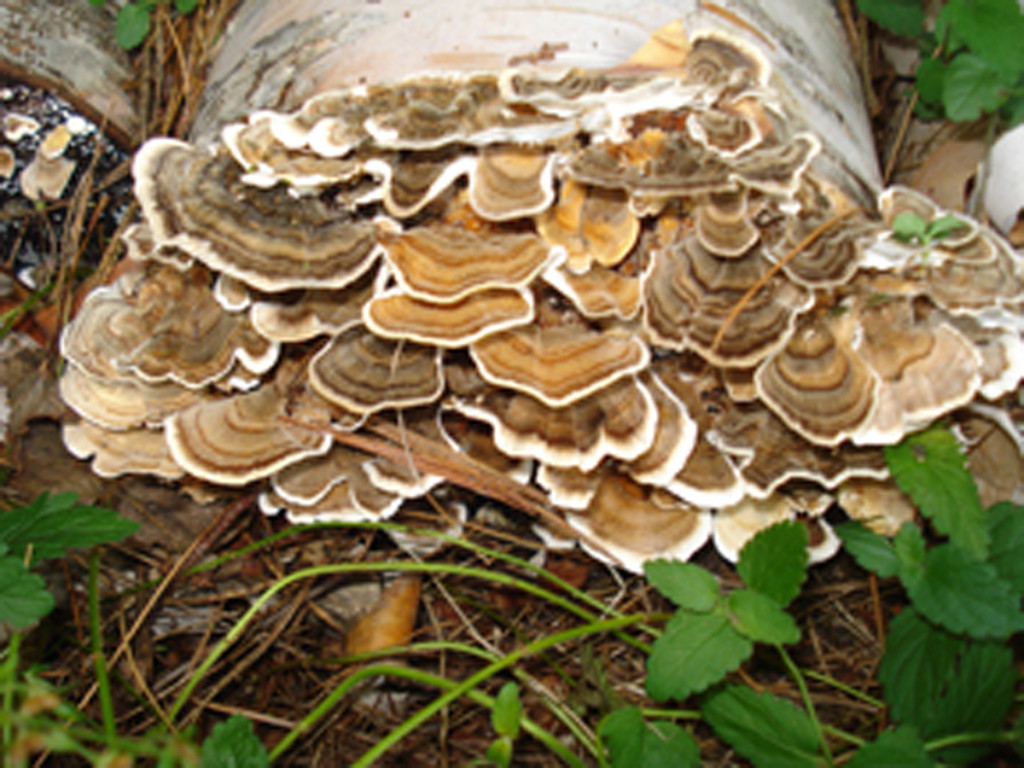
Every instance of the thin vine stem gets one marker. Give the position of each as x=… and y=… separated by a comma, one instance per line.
x=843, y=687
x=805, y=694
x=96, y=637
x=338, y=568
x=472, y=681
x=418, y=676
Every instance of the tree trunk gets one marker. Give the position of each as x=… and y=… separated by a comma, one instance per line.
x=277, y=55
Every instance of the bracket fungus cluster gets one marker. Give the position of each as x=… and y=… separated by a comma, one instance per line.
x=632, y=289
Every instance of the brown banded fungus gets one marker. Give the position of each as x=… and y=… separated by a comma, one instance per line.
x=646, y=291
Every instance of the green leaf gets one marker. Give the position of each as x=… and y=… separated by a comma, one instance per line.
x=871, y=550
x=768, y=731
x=132, y=26
x=685, y=584
x=1006, y=528
x=929, y=467
x=931, y=74
x=761, y=618
x=909, y=546
x=943, y=227
x=774, y=561
x=232, y=744
x=185, y=6
x=637, y=743
x=977, y=698
x=971, y=87
x=500, y=752
x=993, y=30
x=1013, y=111
x=965, y=595
x=904, y=17
x=97, y=3
x=915, y=666
x=901, y=748
x=909, y=227
x=54, y=524
x=696, y=651
x=23, y=595
x=508, y=711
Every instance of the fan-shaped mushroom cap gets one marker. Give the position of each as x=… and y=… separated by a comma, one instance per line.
x=690, y=293
x=139, y=326
x=962, y=284
x=233, y=295
x=558, y=365
x=365, y=373
x=618, y=421
x=140, y=246
x=674, y=438
x=727, y=132
x=599, y=292
x=410, y=184
x=654, y=164
x=635, y=524
x=17, y=126
x=926, y=368
x=296, y=316
x=394, y=315
x=832, y=258
x=511, y=182
x=719, y=59
x=593, y=225
x=308, y=481
x=568, y=487
x=7, y=163
x=776, y=169
x=126, y=403
x=769, y=455
x=268, y=239
x=122, y=452
x=444, y=264
x=818, y=385
x=240, y=439
x=724, y=226
x=880, y=506
x=735, y=526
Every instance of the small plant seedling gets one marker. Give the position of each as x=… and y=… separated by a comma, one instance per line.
x=133, y=19
x=505, y=717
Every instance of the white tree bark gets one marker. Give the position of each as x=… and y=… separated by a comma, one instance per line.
x=276, y=55
x=68, y=46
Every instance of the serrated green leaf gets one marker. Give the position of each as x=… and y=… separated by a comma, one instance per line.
x=232, y=744
x=54, y=524
x=903, y=17
x=965, y=595
x=132, y=26
x=637, y=743
x=909, y=227
x=23, y=595
x=696, y=651
x=970, y=88
x=931, y=74
x=930, y=469
x=909, y=546
x=774, y=561
x=767, y=730
x=685, y=584
x=1006, y=554
x=508, y=711
x=916, y=664
x=976, y=699
x=871, y=550
x=901, y=748
x=185, y=6
x=761, y=618
x=993, y=30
